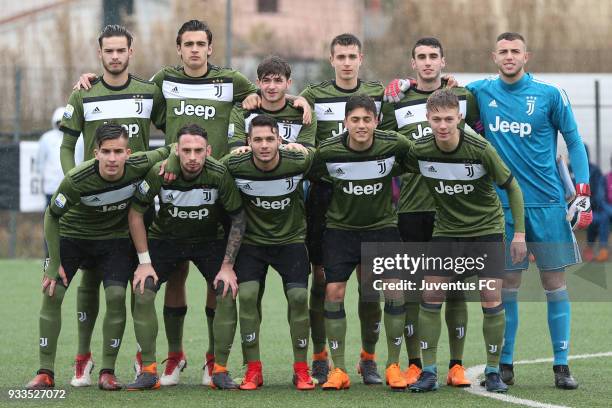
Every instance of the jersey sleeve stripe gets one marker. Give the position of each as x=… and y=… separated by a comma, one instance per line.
x=507, y=182
x=69, y=131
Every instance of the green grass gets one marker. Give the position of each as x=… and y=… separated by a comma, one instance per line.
x=20, y=303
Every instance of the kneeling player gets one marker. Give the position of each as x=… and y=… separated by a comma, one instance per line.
x=187, y=227
x=459, y=170
x=86, y=227
x=270, y=180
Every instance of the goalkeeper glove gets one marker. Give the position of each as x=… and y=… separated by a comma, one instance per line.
x=579, y=213
x=394, y=92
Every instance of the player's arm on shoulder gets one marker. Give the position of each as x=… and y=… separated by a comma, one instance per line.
x=387, y=117
x=308, y=132
x=245, y=92
x=236, y=132
x=158, y=115
x=472, y=117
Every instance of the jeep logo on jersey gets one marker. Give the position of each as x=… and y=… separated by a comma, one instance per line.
x=200, y=214
x=421, y=131
x=456, y=189
x=517, y=128
x=203, y=111
x=271, y=205
x=114, y=207
x=368, y=189
x=132, y=129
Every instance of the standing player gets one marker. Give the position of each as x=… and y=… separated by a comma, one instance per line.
x=459, y=170
x=416, y=208
x=117, y=97
x=328, y=99
x=270, y=180
x=187, y=227
x=86, y=226
x=273, y=79
x=358, y=163
x=522, y=116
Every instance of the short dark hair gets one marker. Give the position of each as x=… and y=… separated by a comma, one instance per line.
x=511, y=37
x=191, y=129
x=109, y=131
x=194, y=25
x=428, y=42
x=115, y=30
x=442, y=98
x=360, y=101
x=345, y=39
x=263, y=121
x=273, y=65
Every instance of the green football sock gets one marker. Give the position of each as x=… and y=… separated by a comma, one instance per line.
x=114, y=325
x=49, y=326
x=248, y=294
x=493, y=325
x=224, y=325
x=429, y=332
x=317, y=316
x=335, y=327
x=145, y=322
x=456, y=315
x=88, y=304
x=395, y=317
x=370, y=315
x=297, y=299
x=210, y=318
x=174, y=318
x=411, y=336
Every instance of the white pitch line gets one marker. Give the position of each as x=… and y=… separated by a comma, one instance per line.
x=472, y=374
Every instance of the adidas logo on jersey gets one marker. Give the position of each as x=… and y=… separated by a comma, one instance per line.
x=96, y=110
x=175, y=89
x=493, y=103
x=169, y=197
x=408, y=114
x=339, y=171
x=247, y=186
x=329, y=111
x=432, y=169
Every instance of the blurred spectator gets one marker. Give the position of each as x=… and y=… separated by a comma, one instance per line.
x=600, y=227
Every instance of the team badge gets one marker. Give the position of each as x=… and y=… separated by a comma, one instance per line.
x=68, y=111
x=60, y=200
x=531, y=100
x=143, y=187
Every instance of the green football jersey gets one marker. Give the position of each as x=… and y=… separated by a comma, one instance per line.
x=189, y=210
x=90, y=207
x=273, y=200
x=206, y=101
x=361, y=180
x=134, y=106
x=290, y=125
x=408, y=118
x=461, y=183
x=328, y=102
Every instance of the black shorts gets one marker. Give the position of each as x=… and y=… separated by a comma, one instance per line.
x=318, y=201
x=114, y=260
x=167, y=255
x=342, y=250
x=289, y=260
x=488, y=248
x=416, y=226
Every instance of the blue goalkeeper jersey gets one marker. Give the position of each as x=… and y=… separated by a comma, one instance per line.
x=521, y=120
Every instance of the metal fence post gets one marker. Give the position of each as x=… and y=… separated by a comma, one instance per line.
x=12, y=250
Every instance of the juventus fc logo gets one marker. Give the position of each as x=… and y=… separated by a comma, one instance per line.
x=531, y=100
x=43, y=342
x=564, y=344
x=139, y=106
x=382, y=167
x=218, y=90
x=492, y=348
x=82, y=316
x=207, y=195
x=249, y=338
x=290, y=183
x=409, y=330
x=424, y=345
x=115, y=343
x=333, y=344
x=285, y=130
x=377, y=326
x=302, y=343
x=470, y=170
x=460, y=331
x=398, y=340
